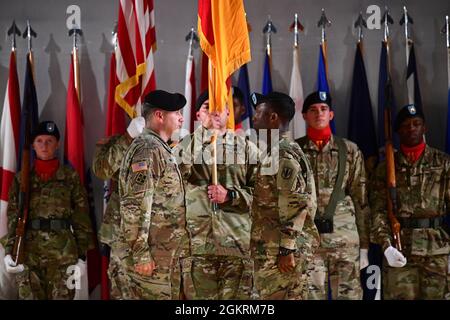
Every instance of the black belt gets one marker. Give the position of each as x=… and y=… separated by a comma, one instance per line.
x=49, y=224
x=418, y=223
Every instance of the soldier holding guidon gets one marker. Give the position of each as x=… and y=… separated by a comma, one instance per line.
x=417, y=265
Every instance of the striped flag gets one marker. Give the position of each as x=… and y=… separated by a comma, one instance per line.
x=136, y=43
x=322, y=77
x=9, y=150
x=115, y=116
x=297, y=126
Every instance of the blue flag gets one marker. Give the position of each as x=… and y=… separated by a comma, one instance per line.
x=29, y=118
x=361, y=126
x=322, y=80
x=267, y=77
x=244, y=85
x=361, y=130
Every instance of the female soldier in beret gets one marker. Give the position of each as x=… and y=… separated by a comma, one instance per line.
x=58, y=231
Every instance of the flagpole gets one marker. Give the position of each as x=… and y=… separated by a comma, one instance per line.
x=387, y=19
x=360, y=24
x=322, y=24
x=13, y=31
x=405, y=21
x=75, y=32
x=29, y=34
x=189, y=87
x=297, y=27
x=268, y=29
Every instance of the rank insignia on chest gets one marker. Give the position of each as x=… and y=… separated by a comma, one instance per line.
x=139, y=166
x=286, y=173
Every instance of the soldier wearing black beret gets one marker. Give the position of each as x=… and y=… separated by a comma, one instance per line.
x=58, y=229
x=342, y=217
x=152, y=204
x=419, y=269
x=282, y=221
x=407, y=112
x=48, y=128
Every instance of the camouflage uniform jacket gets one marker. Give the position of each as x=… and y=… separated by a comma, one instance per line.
x=61, y=197
x=226, y=232
x=352, y=215
x=152, y=209
x=423, y=191
x=284, y=204
x=106, y=165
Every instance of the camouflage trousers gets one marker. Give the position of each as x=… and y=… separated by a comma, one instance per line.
x=44, y=281
x=163, y=284
x=335, y=269
x=421, y=278
x=119, y=279
x=217, y=278
x=271, y=284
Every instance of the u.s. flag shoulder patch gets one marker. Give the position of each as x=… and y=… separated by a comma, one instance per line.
x=139, y=166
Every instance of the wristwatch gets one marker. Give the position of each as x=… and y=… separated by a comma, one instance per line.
x=231, y=195
x=285, y=252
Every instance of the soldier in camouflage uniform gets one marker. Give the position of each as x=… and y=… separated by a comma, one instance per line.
x=58, y=232
x=106, y=165
x=153, y=226
x=220, y=266
x=420, y=270
x=343, y=213
x=284, y=205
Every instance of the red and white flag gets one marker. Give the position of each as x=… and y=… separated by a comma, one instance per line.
x=9, y=149
x=136, y=42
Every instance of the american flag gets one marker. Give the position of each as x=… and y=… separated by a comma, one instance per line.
x=134, y=54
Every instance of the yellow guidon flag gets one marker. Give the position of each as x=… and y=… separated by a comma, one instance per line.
x=223, y=32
